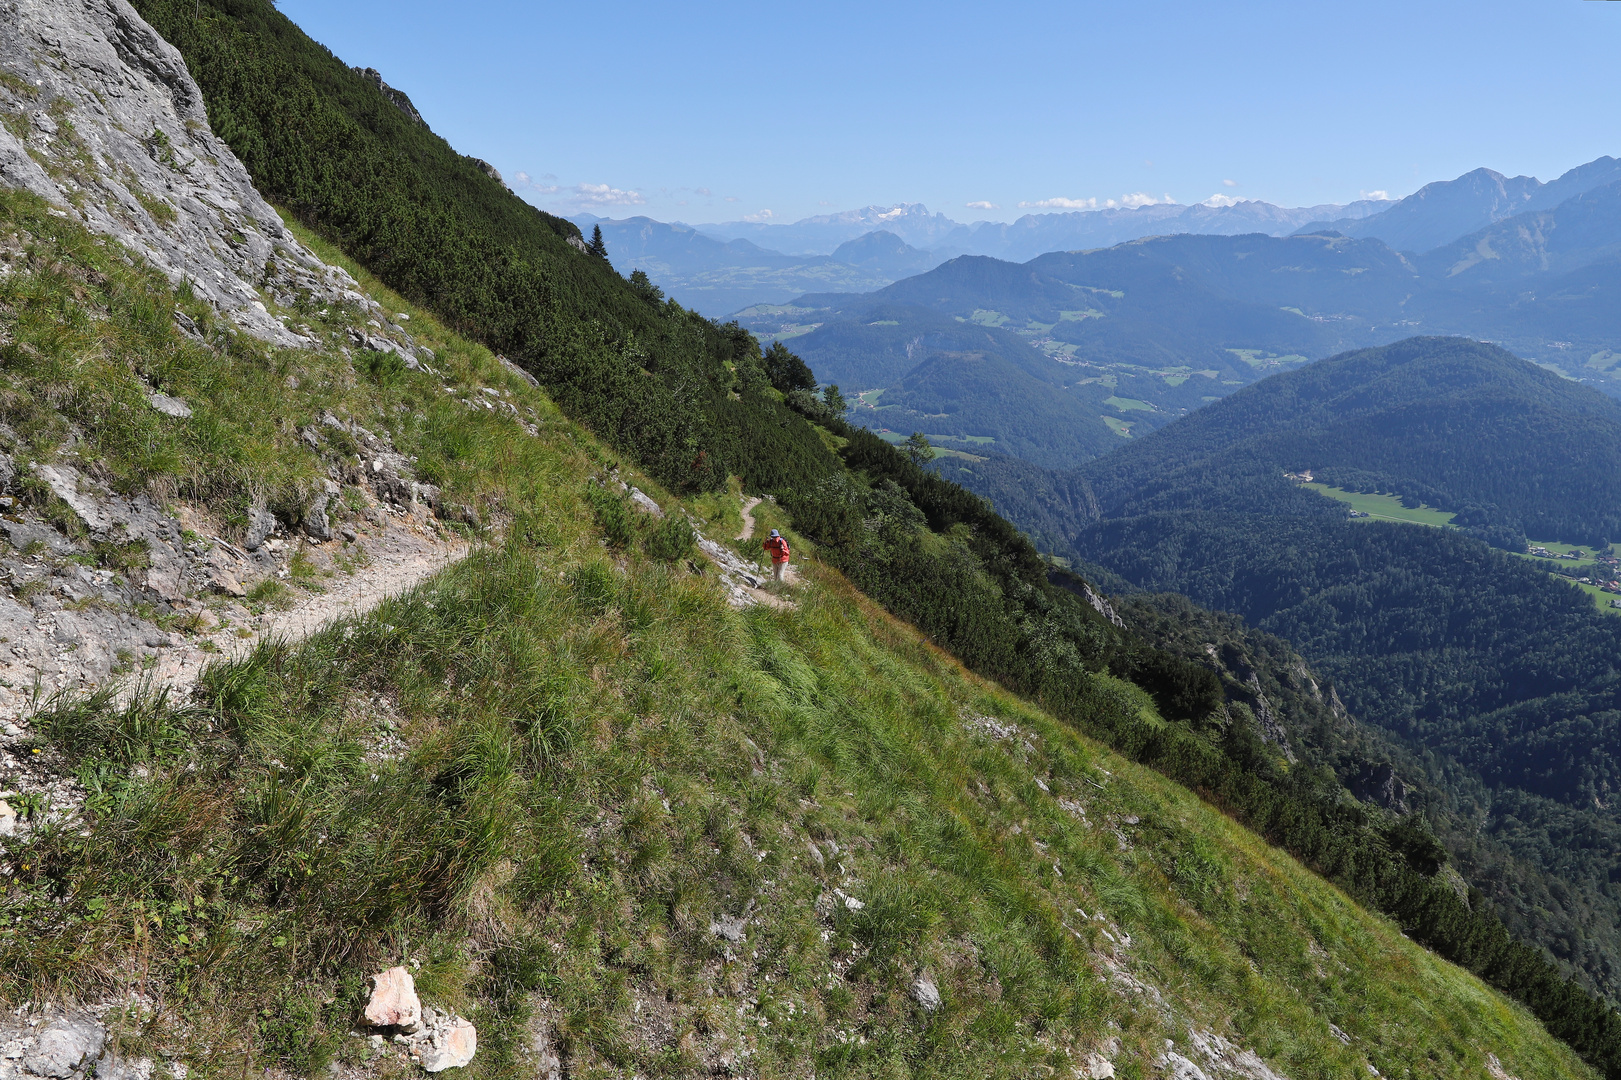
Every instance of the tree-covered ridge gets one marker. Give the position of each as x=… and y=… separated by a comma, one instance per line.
x=1461, y=425
x=1503, y=680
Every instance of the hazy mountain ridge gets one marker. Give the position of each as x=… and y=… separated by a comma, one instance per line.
x=1441, y=212
x=718, y=276
x=751, y=263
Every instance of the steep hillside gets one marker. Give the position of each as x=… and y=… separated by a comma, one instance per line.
x=453, y=782
x=1577, y=232
x=605, y=818
x=1438, y=213
x=1504, y=675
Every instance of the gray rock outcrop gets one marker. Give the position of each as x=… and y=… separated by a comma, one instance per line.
x=396, y=98
x=114, y=133
x=64, y=1047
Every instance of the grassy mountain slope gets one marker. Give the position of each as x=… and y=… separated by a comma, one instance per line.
x=691, y=401
x=544, y=779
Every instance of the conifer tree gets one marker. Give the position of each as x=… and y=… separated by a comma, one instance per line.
x=918, y=449
x=599, y=247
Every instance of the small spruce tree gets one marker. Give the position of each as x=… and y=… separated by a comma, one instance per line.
x=599, y=247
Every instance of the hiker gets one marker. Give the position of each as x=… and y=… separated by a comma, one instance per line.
x=777, y=548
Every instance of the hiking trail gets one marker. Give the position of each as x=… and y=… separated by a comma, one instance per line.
x=748, y=518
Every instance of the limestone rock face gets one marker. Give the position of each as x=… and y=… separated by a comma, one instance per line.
x=113, y=131
x=394, y=1000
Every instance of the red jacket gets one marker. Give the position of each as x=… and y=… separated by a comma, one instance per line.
x=777, y=548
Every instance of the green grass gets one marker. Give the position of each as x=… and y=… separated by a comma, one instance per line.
x=1128, y=404
x=1384, y=507
x=538, y=777
x=1118, y=426
x=1389, y=508
x=1261, y=359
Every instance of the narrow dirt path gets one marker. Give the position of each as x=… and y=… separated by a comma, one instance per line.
x=748, y=518
x=398, y=558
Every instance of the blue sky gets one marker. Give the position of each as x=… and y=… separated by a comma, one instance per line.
x=727, y=110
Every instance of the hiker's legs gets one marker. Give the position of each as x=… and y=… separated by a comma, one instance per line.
x=776, y=571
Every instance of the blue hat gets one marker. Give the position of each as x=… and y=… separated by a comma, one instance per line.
x=774, y=532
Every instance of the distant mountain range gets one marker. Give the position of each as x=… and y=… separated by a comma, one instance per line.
x=1148, y=330
x=724, y=268
x=719, y=276
x=1439, y=213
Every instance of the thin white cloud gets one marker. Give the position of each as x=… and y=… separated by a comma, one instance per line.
x=522, y=181
x=1058, y=203
x=763, y=215
x=1229, y=183
x=981, y=204
x=605, y=195
x=733, y=198
x=1126, y=202
x=1217, y=201
x=1379, y=196
x=705, y=192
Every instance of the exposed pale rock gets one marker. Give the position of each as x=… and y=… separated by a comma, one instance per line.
x=261, y=523
x=63, y=480
x=1178, y=1067
x=170, y=406
x=1097, y=1067
x=925, y=992
x=450, y=1046
x=645, y=502
x=139, y=141
x=394, y=1000
x=730, y=928
x=64, y=1046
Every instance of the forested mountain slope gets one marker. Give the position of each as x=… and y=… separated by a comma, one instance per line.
x=1460, y=425
x=1502, y=678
